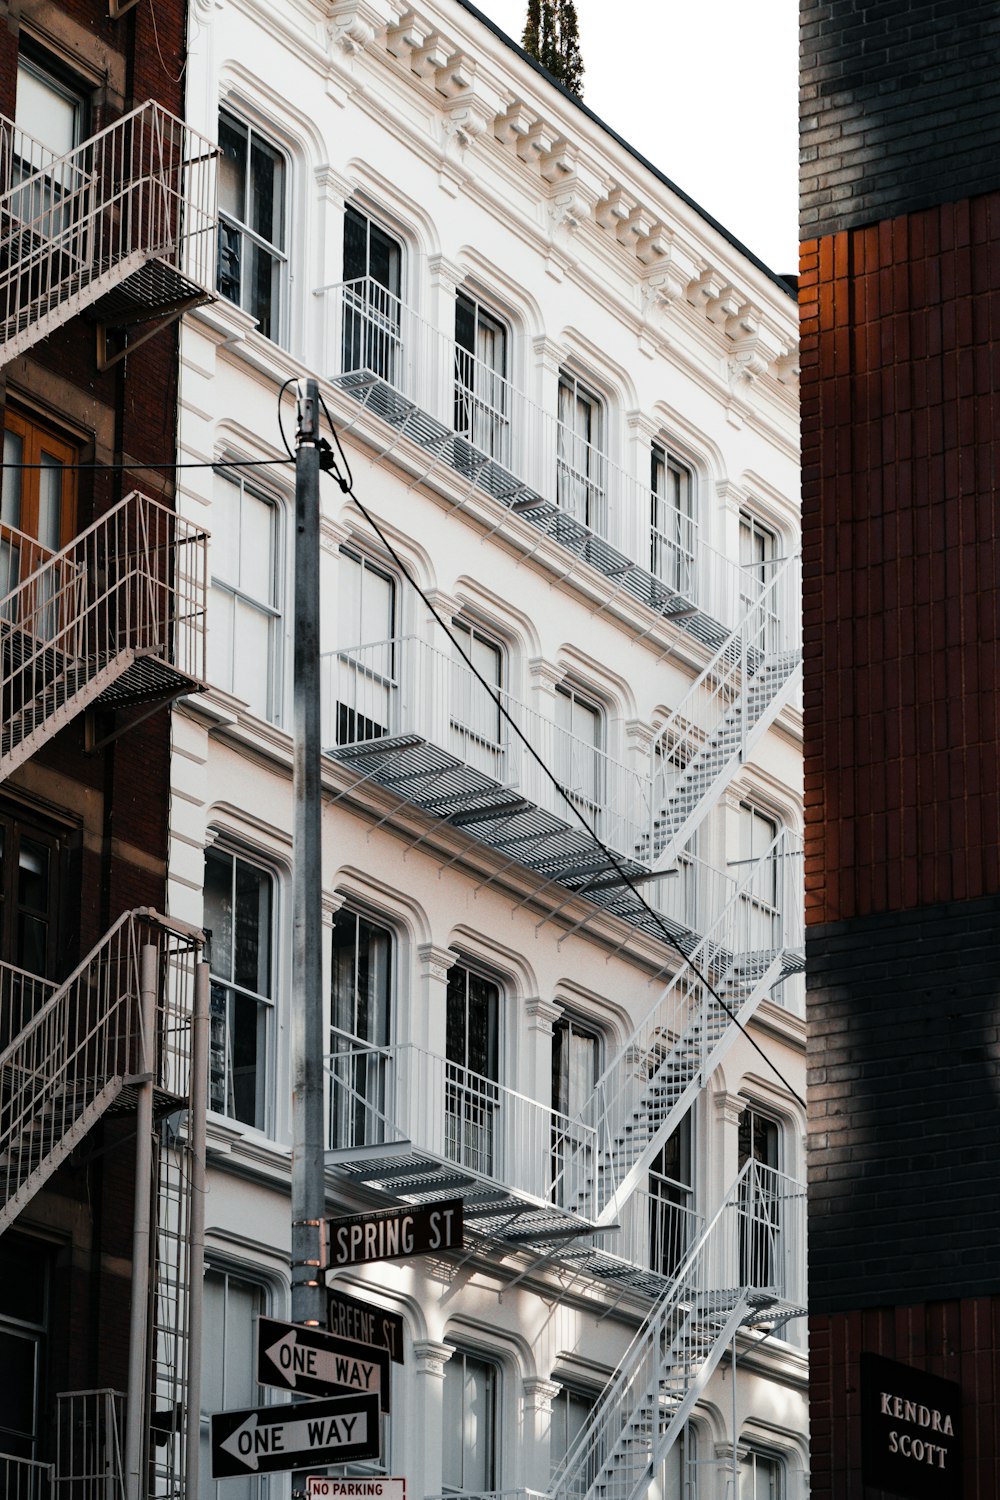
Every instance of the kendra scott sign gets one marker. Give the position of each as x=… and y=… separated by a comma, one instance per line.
x=911, y=1431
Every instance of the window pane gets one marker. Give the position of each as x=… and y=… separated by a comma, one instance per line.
x=221, y=664
x=251, y=657
x=45, y=111
x=219, y=913
x=10, y=505
x=266, y=194
x=232, y=167
x=355, y=245
x=253, y=928
x=50, y=479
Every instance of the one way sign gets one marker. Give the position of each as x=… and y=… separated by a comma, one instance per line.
x=315, y=1363
x=267, y=1439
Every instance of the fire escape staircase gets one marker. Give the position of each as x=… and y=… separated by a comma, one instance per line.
x=115, y=620
x=744, y=1271
x=122, y=227
x=726, y=711
x=71, y=1054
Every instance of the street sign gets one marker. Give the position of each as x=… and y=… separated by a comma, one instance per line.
x=315, y=1363
x=319, y=1488
x=350, y=1318
x=395, y=1233
x=269, y=1439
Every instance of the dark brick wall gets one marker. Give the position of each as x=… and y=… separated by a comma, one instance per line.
x=904, y=1090
x=900, y=107
x=957, y=1340
x=901, y=560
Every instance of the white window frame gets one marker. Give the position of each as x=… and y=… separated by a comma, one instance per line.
x=463, y=1353
x=581, y=461
x=369, y=673
x=372, y=311
x=248, y=238
x=671, y=521
x=271, y=609
x=483, y=394
x=568, y=742
x=266, y=1004
x=362, y=1072
x=775, y=1484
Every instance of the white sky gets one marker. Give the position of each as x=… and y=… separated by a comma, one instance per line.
x=707, y=90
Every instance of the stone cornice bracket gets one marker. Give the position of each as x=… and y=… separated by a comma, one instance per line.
x=706, y=288
x=786, y=367
x=430, y=59
x=670, y=273
x=407, y=37
x=614, y=209
x=513, y=124
x=558, y=163
x=542, y=1014
x=536, y=147
x=332, y=902
x=354, y=24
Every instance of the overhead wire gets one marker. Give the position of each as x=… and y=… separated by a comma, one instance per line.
x=345, y=481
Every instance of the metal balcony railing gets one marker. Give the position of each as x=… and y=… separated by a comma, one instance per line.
x=658, y=1226
x=75, y=1055
x=90, y=1460
x=117, y=616
x=382, y=1095
x=747, y=1267
x=402, y=687
x=472, y=418
x=25, y=1479
x=130, y=211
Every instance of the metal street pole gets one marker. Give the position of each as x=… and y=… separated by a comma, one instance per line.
x=308, y=1183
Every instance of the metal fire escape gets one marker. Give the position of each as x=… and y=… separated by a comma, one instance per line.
x=115, y=620
x=122, y=228
x=415, y=722
x=73, y=1053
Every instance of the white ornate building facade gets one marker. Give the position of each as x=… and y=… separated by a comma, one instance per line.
x=569, y=401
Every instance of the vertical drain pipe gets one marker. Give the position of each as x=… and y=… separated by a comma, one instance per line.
x=196, y=1262
x=137, y=1353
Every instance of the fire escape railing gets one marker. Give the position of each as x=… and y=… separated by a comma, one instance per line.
x=129, y=591
x=74, y=226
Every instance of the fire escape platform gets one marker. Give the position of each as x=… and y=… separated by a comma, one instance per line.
x=493, y=1211
x=382, y=399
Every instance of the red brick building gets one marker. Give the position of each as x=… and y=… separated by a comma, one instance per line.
x=900, y=304
x=106, y=235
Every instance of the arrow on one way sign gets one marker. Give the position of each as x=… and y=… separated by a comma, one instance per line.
x=268, y=1439
x=316, y=1363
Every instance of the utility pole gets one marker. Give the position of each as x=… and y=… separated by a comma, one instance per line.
x=308, y=1178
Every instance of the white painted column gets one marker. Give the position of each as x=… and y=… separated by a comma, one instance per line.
x=424, y=1443
x=537, y=1396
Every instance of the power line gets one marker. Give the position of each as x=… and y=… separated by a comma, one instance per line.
x=131, y=468
x=328, y=461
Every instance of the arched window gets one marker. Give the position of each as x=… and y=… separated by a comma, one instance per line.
x=582, y=464
x=360, y=1028
x=371, y=337
x=472, y=1098
x=470, y=1435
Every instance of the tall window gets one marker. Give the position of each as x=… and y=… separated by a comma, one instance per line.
x=38, y=516
x=232, y=1303
x=758, y=871
x=368, y=655
x=372, y=310
x=579, y=759
x=251, y=223
x=576, y=1057
x=244, y=639
x=472, y=1099
x=360, y=1016
x=476, y=721
x=582, y=467
x=482, y=392
x=761, y=1477
x=239, y=902
x=24, y=1291
x=759, y=554
x=759, y=1141
x=571, y=1411
x=671, y=1194
x=52, y=114
x=671, y=530
x=469, y=1437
